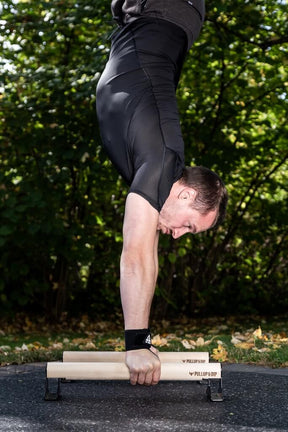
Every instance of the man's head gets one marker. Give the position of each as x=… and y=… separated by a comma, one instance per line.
x=196, y=203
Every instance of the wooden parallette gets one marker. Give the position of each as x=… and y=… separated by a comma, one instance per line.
x=115, y=357
x=175, y=366
x=119, y=371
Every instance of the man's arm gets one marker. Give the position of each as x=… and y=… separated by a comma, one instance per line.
x=139, y=269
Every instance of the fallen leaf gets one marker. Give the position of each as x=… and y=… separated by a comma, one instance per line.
x=262, y=350
x=117, y=344
x=57, y=345
x=245, y=345
x=24, y=347
x=276, y=346
x=187, y=344
x=258, y=333
x=4, y=348
x=37, y=345
x=240, y=336
x=78, y=341
x=220, y=354
x=200, y=341
x=235, y=340
x=90, y=345
x=209, y=341
x=172, y=336
x=119, y=347
x=159, y=341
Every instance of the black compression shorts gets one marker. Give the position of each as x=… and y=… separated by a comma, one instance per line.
x=137, y=108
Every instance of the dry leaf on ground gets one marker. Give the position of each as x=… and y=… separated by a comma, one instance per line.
x=220, y=354
x=245, y=345
x=187, y=344
x=258, y=333
x=159, y=341
x=249, y=340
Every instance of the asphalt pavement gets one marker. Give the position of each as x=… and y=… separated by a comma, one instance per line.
x=256, y=400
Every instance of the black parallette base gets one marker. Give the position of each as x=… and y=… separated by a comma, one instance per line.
x=50, y=396
x=215, y=396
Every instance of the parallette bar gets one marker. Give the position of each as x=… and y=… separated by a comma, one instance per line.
x=115, y=357
x=119, y=371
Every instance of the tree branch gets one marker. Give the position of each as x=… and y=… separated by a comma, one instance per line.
x=263, y=45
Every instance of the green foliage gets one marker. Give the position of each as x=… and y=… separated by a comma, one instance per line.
x=233, y=100
x=55, y=183
x=61, y=201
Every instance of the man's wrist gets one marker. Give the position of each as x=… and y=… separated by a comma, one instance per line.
x=137, y=339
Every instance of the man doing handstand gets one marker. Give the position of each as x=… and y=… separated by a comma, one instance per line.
x=140, y=129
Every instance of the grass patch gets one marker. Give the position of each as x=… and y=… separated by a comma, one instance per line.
x=233, y=340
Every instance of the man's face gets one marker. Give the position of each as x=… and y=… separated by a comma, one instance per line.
x=178, y=217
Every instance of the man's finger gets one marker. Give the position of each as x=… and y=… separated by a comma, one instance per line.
x=141, y=378
x=156, y=376
x=133, y=378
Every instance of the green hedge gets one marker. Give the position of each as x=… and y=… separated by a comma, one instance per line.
x=61, y=201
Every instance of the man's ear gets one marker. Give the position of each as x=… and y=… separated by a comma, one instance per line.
x=187, y=193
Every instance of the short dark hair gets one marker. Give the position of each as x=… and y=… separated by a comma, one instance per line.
x=211, y=191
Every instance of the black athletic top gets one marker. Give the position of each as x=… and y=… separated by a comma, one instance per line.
x=136, y=103
x=179, y=12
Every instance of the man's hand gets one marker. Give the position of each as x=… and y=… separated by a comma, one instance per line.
x=144, y=366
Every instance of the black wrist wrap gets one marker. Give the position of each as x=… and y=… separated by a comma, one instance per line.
x=137, y=339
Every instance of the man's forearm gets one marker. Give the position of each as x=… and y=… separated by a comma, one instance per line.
x=137, y=286
x=138, y=274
